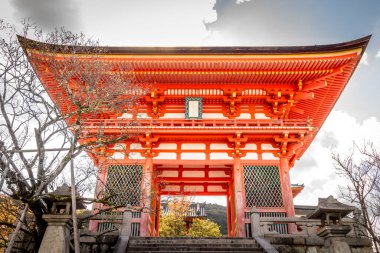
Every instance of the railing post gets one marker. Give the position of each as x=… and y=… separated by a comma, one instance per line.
x=124, y=231
x=255, y=222
x=125, y=228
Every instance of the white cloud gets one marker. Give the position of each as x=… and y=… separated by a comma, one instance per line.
x=338, y=134
x=364, y=60
x=242, y=1
x=149, y=22
x=49, y=14
x=378, y=54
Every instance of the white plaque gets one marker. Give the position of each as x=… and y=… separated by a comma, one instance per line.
x=193, y=109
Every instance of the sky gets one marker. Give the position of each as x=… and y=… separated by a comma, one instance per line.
x=356, y=116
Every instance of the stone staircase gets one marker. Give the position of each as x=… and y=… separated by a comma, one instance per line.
x=192, y=245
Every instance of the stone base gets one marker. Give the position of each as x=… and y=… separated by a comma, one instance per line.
x=338, y=245
x=57, y=235
x=302, y=244
x=334, y=231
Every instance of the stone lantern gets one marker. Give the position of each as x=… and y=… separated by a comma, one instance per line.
x=331, y=212
x=57, y=235
x=61, y=200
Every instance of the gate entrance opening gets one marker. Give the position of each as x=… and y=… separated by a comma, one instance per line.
x=182, y=211
x=192, y=180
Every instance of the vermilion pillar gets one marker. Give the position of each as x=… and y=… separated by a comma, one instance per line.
x=229, y=212
x=155, y=204
x=145, y=225
x=287, y=194
x=158, y=215
x=101, y=182
x=232, y=209
x=238, y=198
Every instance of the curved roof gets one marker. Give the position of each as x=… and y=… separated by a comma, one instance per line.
x=315, y=75
x=233, y=50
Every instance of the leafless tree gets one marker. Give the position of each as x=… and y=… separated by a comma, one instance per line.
x=30, y=121
x=361, y=168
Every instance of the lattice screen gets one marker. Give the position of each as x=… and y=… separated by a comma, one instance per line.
x=262, y=186
x=123, y=184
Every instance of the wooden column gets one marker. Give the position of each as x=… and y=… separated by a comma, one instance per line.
x=158, y=215
x=146, y=198
x=232, y=209
x=238, y=198
x=287, y=194
x=228, y=197
x=101, y=182
x=154, y=209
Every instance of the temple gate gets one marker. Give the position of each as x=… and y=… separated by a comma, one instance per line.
x=215, y=121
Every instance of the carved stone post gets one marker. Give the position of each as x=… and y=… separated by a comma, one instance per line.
x=57, y=235
x=124, y=231
x=255, y=222
x=125, y=228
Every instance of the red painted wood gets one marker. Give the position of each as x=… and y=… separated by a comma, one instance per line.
x=295, y=90
x=145, y=228
x=287, y=191
x=239, y=198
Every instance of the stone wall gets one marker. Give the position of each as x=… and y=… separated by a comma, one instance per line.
x=318, y=245
x=92, y=243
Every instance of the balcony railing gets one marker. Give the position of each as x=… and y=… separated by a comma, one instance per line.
x=204, y=123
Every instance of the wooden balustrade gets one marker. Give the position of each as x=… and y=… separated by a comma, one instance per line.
x=205, y=123
x=111, y=222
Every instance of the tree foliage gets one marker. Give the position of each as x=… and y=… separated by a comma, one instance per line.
x=172, y=225
x=218, y=214
x=361, y=168
x=173, y=222
x=9, y=210
x=204, y=228
x=29, y=120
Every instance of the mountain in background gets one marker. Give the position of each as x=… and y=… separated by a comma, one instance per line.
x=218, y=214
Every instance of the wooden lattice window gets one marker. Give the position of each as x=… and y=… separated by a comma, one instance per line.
x=123, y=184
x=262, y=186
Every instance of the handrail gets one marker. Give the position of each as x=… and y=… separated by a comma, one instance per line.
x=305, y=227
x=208, y=123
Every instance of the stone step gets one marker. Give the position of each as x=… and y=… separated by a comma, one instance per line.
x=239, y=244
x=192, y=238
x=188, y=247
x=175, y=249
x=192, y=245
x=193, y=241
x=153, y=251
x=213, y=245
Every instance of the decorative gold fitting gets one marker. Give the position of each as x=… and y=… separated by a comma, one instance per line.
x=300, y=84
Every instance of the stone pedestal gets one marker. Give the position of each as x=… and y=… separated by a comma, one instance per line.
x=334, y=231
x=334, y=236
x=57, y=235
